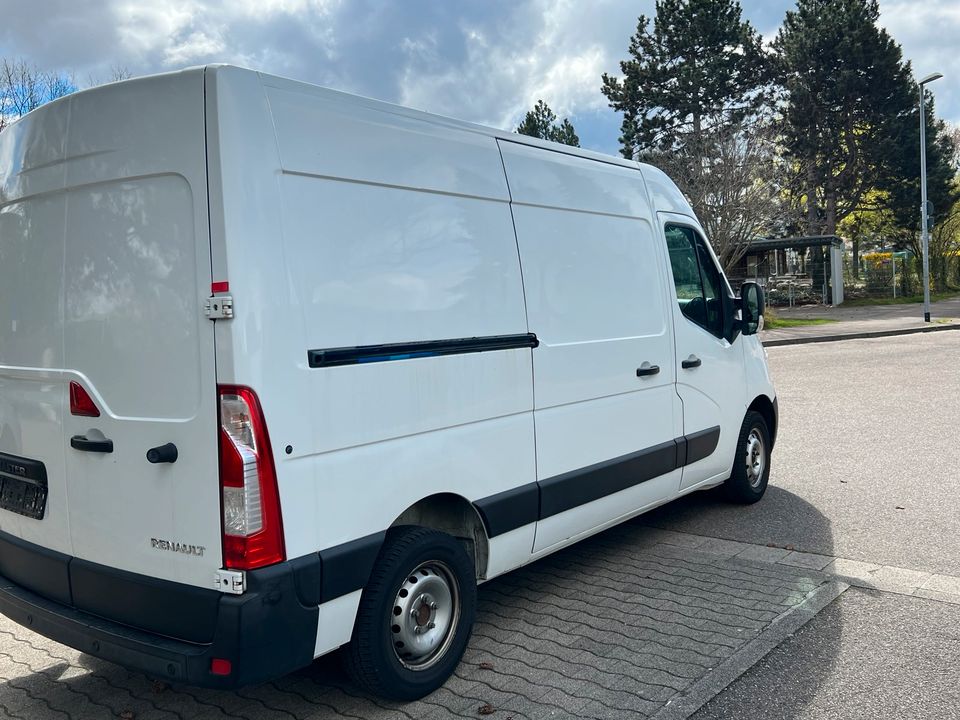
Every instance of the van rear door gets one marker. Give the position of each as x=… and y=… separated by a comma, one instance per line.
x=105, y=268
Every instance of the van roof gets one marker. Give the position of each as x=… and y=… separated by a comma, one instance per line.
x=351, y=98
x=340, y=96
x=282, y=82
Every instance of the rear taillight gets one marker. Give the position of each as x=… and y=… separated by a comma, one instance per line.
x=252, y=526
x=81, y=403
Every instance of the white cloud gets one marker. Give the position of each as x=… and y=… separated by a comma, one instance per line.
x=928, y=32
x=546, y=49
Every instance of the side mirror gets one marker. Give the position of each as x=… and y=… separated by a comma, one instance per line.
x=752, y=306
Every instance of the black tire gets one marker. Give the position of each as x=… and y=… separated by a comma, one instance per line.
x=746, y=485
x=372, y=659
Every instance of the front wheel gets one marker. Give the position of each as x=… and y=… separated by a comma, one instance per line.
x=751, y=465
x=415, y=615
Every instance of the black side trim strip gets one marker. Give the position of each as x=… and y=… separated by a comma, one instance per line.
x=701, y=444
x=428, y=348
x=578, y=487
x=517, y=507
x=510, y=509
x=347, y=567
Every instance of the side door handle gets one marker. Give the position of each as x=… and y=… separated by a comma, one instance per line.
x=647, y=369
x=81, y=442
x=691, y=362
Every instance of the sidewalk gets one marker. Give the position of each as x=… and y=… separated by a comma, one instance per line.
x=863, y=321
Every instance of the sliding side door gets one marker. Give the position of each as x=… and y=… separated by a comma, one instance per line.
x=606, y=409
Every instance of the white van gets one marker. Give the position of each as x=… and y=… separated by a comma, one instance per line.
x=284, y=370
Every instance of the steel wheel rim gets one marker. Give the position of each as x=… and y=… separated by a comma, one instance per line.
x=755, y=458
x=425, y=614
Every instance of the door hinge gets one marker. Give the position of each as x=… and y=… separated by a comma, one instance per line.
x=230, y=581
x=219, y=307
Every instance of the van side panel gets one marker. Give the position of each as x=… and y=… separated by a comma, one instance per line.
x=594, y=287
x=393, y=230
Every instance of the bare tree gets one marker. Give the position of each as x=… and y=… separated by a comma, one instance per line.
x=945, y=246
x=117, y=73
x=732, y=178
x=953, y=132
x=23, y=87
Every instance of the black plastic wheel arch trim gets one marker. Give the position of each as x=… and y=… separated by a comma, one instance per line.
x=510, y=509
x=346, y=568
x=362, y=354
x=776, y=422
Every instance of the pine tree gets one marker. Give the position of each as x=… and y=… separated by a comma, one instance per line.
x=699, y=69
x=693, y=94
x=541, y=122
x=902, y=183
x=849, y=100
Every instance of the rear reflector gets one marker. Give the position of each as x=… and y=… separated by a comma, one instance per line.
x=220, y=666
x=252, y=526
x=81, y=403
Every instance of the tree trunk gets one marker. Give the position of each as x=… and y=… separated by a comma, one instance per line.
x=855, y=259
x=813, y=211
x=830, y=213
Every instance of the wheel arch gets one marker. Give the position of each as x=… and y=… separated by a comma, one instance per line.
x=456, y=516
x=768, y=409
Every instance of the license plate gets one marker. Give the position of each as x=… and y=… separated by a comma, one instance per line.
x=23, y=486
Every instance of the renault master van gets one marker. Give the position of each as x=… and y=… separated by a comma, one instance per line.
x=285, y=370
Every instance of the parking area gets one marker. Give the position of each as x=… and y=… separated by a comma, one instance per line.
x=614, y=627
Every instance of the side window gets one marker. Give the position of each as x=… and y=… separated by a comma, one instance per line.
x=696, y=278
x=711, y=288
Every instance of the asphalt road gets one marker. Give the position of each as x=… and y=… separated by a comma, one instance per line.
x=867, y=656
x=867, y=462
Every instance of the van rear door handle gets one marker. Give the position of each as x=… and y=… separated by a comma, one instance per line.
x=691, y=362
x=647, y=369
x=80, y=442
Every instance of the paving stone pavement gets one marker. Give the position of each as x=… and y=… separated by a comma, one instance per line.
x=616, y=626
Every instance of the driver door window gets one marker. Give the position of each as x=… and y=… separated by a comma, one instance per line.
x=696, y=278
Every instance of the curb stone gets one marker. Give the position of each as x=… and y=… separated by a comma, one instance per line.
x=858, y=336
x=790, y=621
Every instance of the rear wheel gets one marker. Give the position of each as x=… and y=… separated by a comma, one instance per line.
x=751, y=466
x=415, y=615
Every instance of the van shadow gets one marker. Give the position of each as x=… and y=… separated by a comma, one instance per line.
x=781, y=518
x=580, y=633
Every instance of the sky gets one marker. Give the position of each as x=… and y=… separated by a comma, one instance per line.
x=487, y=61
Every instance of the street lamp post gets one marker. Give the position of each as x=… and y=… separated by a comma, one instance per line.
x=925, y=234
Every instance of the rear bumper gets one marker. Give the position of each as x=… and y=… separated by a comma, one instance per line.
x=265, y=633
